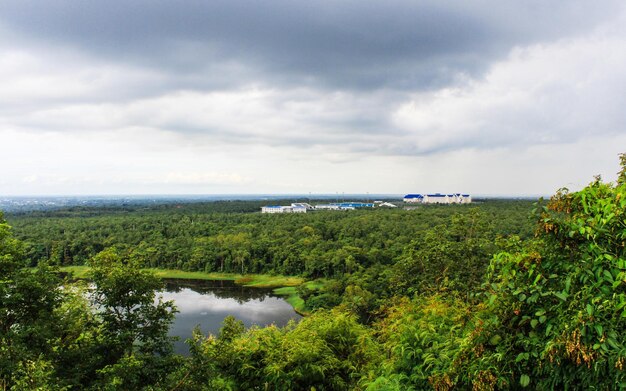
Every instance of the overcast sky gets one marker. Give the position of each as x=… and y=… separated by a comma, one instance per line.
x=212, y=97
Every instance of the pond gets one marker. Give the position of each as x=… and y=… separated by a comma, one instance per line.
x=206, y=303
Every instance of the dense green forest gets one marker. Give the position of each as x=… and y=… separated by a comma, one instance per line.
x=496, y=295
x=380, y=253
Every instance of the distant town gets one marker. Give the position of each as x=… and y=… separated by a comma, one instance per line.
x=437, y=198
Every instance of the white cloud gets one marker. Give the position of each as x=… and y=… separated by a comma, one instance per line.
x=543, y=94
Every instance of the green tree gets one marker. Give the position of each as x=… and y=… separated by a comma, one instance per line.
x=136, y=347
x=452, y=256
x=28, y=322
x=329, y=350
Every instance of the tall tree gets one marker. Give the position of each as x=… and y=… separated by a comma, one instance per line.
x=137, y=348
x=28, y=320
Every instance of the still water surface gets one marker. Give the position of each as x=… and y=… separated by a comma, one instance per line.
x=206, y=304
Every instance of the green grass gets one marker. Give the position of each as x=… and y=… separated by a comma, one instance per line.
x=290, y=293
x=267, y=281
x=77, y=271
x=316, y=284
x=251, y=280
x=291, y=296
x=183, y=275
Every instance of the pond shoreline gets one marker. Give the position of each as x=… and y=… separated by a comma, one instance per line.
x=284, y=286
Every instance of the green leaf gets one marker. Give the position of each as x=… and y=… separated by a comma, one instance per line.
x=495, y=339
x=599, y=330
x=589, y=309
x=534, y=323
x=612, y=342
x=561, y=295
x=524, y=380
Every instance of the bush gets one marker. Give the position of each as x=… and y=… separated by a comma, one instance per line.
x=556, y=311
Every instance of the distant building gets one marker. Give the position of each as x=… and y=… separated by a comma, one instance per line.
x=327, y=206
x=302, y=207
x=275, y=209
x=345, y=205
x=356, y=205
x=386, y=205
x=413, y=198
x=296, y=207
x=438, y=198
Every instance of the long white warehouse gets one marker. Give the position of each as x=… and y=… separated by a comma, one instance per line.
x=438, y=198
x=300, y=207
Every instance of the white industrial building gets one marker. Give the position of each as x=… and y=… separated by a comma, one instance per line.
x=303, y=207
x=413, y=198
x=297, y=207
x=438, y=198
x=345, y=206
x=327, y=207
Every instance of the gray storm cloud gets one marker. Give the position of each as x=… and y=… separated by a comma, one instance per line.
x=346, y=45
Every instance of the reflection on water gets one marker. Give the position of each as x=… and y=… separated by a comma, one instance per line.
x=207, y=303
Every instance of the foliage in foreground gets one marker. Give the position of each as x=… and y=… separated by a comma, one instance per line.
x=329, y=350
x=52, y=338
x=556, y=309
x=552, y=314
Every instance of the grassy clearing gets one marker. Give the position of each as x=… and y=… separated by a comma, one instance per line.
x=183, y=275
x=290, y=293
x=267, y=281
x=316, y=284
x=251, y=280
x=77, y=271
